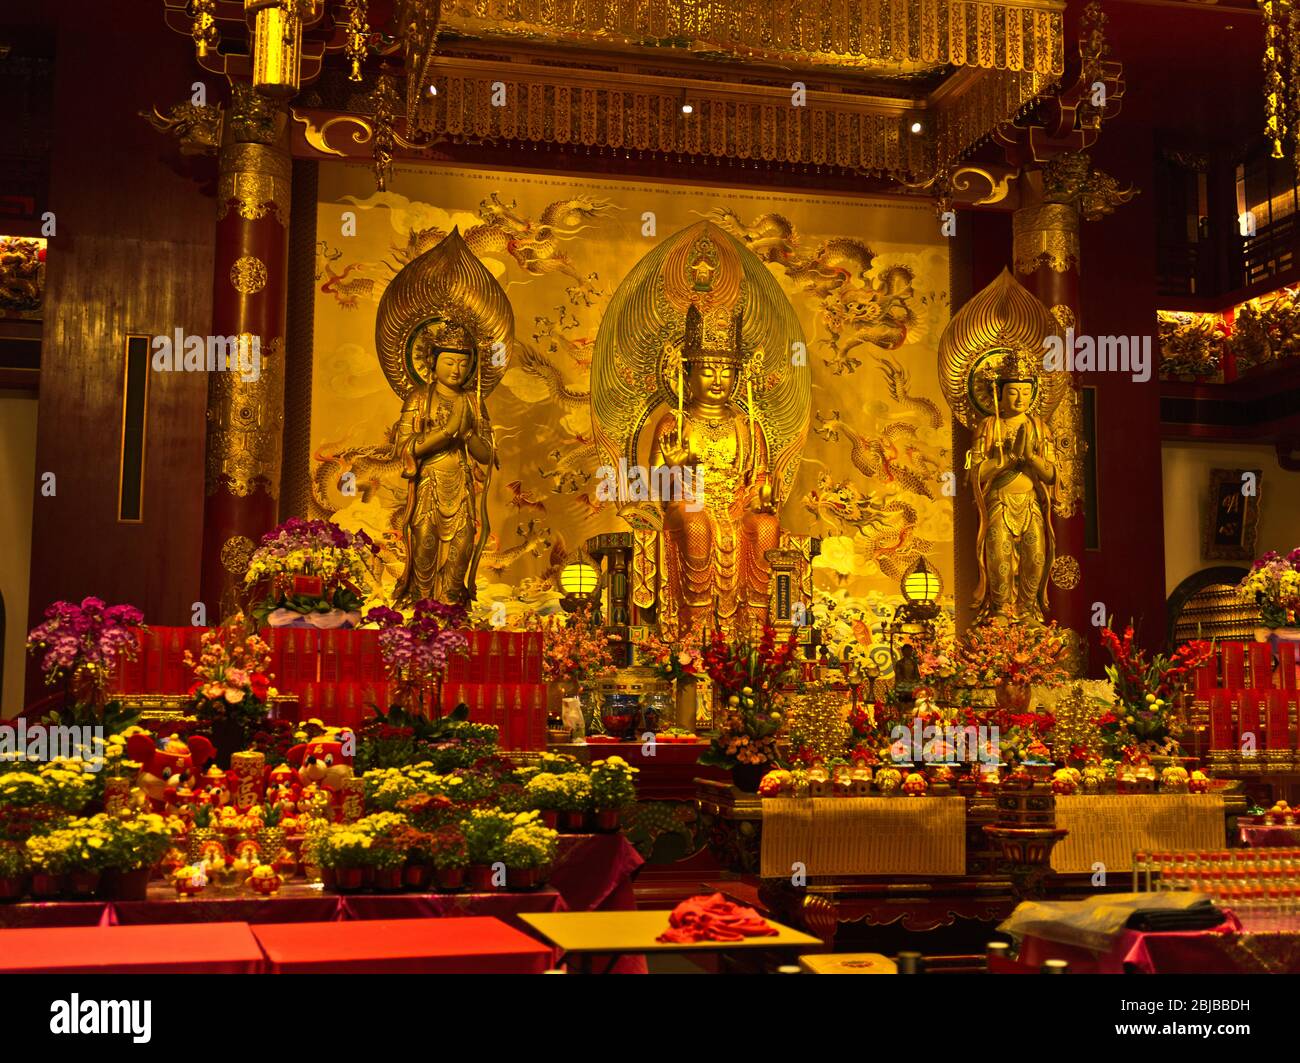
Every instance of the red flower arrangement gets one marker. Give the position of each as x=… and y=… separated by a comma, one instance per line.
x=747, y=676
x=1146, y=688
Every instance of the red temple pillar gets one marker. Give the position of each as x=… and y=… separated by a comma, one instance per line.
x=245, y=416
x=1046, y=255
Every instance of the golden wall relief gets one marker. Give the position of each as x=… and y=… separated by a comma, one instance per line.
x=843, y=389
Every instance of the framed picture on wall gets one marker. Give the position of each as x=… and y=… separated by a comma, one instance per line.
x=1232, y=519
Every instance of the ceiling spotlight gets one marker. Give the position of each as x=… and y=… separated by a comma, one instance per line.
x=433, y=90
x=687, y=109
x=917, y=127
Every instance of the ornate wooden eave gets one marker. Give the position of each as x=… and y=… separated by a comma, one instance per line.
x=893, y=89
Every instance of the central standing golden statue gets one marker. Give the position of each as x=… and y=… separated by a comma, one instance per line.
x=443, y=331
x=715, y=537
x=700, y=383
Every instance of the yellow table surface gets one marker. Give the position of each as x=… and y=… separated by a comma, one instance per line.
x=615, y=932
x=848, y=963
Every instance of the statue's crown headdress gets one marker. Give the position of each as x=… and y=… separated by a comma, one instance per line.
x=1015, y=364
x=714, y=339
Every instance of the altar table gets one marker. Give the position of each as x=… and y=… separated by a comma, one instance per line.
x=198, y=948
x=474, y=945
x=864, y=836
x=587, y=935
x=1108, y=829
x=296, y=903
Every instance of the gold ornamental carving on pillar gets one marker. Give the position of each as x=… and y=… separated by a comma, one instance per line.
x=1046, y=235
x=248, y=275
x=246, y=420
x=255, y=167
x=236, y=553
x=1067, y=428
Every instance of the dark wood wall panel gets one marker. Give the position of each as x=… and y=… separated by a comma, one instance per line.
x=132, y=253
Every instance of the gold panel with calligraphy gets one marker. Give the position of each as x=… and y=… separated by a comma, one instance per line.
x=1232, y=518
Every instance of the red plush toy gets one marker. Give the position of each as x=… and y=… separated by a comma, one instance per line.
x=282, y=787
x=168, y=765
x=325, y=760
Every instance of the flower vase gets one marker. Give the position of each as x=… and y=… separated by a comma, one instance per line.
x=348, y=879
x=573, y=822
x=388, y=879
x=417, y=877
x=746, y=777
x=450, y=878
x=525, y=878
x=81, y=885
x=12, y=889
x=479, y=877
x=229, y=738
x=132, y=885
x=1013, y=697
x=550, y=818
x=605, y=821
x=46, y=886
x=688, y=703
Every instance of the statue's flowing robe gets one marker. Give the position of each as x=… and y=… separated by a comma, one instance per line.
x=1016, y=544
x=438, y=526
x=713, y=547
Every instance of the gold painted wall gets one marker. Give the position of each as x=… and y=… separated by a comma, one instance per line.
x=18, y=475
x=867, y=278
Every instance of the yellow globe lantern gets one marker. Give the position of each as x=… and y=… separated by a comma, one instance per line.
x=579, y=581
x=921, y=588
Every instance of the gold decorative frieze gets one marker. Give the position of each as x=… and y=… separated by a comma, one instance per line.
x=1046, y=235
x=886, y=36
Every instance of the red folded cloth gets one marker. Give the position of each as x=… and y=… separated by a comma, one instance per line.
x=714, y=919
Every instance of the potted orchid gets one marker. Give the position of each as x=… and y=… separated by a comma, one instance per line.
x=232, y=685
x=416, y=650
x=82, y=645
x=310, y=573
x=1274, y=583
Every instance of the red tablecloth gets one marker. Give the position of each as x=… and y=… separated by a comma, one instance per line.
x=594, y=872
x=474, y=945
x=1261, y=837
x=296, y=903
x=1224, y=950
x=200, y=948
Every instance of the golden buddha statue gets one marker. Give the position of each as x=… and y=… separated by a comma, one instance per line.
x=991, y=369
x=717, y=533
x=699, y=381
x=441, y=323
x=1013, y=473
x=442, y=430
